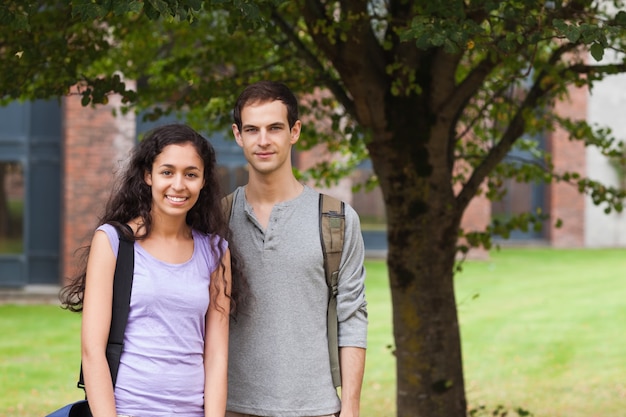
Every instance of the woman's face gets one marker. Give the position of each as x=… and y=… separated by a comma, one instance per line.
x=176, y=178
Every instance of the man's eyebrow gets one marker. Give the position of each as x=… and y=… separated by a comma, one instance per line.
x=248, y=125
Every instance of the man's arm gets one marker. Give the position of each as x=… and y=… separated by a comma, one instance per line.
x=352, y=364
x=352, y=314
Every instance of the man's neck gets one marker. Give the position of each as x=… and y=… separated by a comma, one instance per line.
x=272, y=190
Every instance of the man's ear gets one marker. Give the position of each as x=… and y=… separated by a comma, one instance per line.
x=295, y=131
x=237, y=135
x=147, y=177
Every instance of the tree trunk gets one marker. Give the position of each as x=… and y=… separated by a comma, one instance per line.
x=423, y=222
x=428, y=348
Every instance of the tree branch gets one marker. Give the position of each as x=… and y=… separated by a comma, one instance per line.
x=327, y=79
x=355, y=54
x=467, y=88
x=598, y=69
x=496, y=154
x=481, y=114
x=543, y=84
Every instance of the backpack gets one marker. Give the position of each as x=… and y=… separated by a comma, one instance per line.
x=332, y=226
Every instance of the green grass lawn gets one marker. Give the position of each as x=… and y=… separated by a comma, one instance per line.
x=542, y=329
x=39, y=359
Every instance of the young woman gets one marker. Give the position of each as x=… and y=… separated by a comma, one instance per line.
x=176, y=341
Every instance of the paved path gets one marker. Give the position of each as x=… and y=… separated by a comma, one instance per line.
x=31, y=294
x=375, y=248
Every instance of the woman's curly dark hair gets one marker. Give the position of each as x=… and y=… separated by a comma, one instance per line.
x=132, y=198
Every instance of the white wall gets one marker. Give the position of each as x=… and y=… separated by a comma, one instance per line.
x=607, y=107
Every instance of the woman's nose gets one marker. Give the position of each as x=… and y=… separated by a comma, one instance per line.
x=178, y=183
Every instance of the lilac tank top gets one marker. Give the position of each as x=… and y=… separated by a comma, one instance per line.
x=161, y=370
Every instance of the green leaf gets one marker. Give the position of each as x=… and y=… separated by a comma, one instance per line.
x=87, y=10
x=572, y=33
x=597, y=51
x=121, y=7
x=161, y=6
x=560, y=25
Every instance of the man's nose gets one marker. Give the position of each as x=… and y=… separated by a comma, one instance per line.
x=263, y=137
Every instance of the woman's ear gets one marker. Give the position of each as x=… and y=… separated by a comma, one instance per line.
x=147, y=177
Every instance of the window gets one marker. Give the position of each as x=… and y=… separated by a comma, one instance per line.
x=11, y=207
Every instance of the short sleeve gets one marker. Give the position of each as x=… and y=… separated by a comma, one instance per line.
x=114, y=239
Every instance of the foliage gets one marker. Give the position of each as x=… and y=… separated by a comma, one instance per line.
x=443, y=97
x=524, y=54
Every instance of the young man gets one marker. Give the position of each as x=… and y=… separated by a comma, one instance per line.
x=279, y=362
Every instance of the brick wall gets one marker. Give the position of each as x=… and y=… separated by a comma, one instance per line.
x=476, y=218
x=96, y=144
x=305, y=160
x=563, y=201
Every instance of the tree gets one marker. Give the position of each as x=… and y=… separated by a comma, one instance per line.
x=435, y=93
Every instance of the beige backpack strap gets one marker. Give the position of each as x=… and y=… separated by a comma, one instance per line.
x=227, y=206
x=332, y=225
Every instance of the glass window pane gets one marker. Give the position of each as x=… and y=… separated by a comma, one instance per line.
x=11, y=207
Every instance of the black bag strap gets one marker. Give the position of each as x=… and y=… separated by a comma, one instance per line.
x=332, y=226
x=122, y=287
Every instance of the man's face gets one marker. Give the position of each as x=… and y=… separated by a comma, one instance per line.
x=265, y=136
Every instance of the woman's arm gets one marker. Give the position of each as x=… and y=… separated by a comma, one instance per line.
x=96, y=323
x=216, y=343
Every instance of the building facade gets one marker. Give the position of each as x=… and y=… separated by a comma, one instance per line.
x=58, y=161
